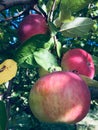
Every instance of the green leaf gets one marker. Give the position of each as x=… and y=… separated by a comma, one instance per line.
x=77, y=28
x=95, y=59
x=52, y=28
x=24, y=54
x=74, y=5
x=58, y=48
x=3, y=116
x=48, y=45
x=67, y=8
x=53, y=42
x=45, y=59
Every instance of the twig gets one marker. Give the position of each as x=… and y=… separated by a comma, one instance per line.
x=55, y=40
x=15, y=16
x=5, y=4
x=34, y=7
x=52, y=10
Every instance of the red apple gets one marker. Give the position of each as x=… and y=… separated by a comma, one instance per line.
x=31, y=25
x=78, y=61
x=60, y=97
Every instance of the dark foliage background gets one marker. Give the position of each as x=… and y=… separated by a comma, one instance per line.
x=15, y=94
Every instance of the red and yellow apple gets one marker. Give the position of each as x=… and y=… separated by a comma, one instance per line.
x=60, y=97
x=31, y=25
x=78, y=61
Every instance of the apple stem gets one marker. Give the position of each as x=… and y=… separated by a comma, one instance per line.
x=89, y=82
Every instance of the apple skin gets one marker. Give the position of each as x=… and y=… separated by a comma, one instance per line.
x=60, y=97
x=31, y=25
x=79, y=61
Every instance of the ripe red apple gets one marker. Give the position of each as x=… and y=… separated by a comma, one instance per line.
x=60, y=97
x=31, y=25
x=78, y=61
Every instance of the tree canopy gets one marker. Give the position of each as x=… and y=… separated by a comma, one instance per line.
x=71, y=24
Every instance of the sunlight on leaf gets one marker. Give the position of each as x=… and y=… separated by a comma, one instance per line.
x=45, y=59
x=74, y=5
x=77, y=28
x=24, y=54
x=58, y=48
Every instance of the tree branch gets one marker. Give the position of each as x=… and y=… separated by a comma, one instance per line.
x=52, y=10
x=5, y=4
x=15, y=16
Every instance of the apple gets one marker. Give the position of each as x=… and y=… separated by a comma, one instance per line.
x=79, y=61
x=31, y=25
x=60, y=97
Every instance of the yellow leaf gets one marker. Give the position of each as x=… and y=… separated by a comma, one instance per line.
x=8, y=70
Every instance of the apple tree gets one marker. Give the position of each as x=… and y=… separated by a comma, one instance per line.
x=34, y=36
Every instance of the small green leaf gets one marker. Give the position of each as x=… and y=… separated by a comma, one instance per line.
x=53, y=42
x=45, y=59
x=58, y=48
x=95, y=59
x=77, y=28
x=3, y=116
x=48, y=45
x=24, y=55
x=52, y=28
